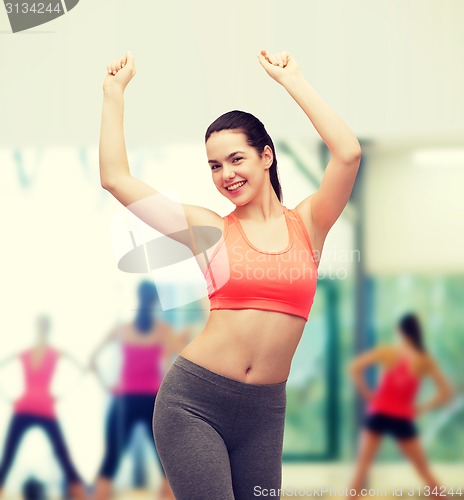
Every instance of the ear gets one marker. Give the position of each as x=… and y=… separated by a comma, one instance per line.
x=268, y=157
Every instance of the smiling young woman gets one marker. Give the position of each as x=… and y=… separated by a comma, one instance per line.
x=219, y=414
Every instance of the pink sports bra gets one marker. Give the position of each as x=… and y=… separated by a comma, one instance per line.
x=240, y=276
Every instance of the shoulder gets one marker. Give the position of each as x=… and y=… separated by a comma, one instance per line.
x=209, y=233
x=201, y=216
x=388, y=354
x=214, y=219
x=317, y=234
x=161, y=327
x=300, y=215
x=304, y=209
x=392, y=350
x=377, y=354
x=388, y=349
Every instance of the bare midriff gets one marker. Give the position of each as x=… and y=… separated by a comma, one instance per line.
x=247, y=345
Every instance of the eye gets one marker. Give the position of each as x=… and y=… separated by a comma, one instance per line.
x=237, y=158
x=214, y=167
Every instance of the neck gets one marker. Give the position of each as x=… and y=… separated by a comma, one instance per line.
x=408, y=345
x=265, y=205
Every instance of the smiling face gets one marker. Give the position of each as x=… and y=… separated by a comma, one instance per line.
x=239, y=172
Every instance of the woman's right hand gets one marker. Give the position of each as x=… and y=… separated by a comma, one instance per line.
x=120, y=72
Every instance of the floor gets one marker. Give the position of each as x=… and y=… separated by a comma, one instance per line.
x=329, y=481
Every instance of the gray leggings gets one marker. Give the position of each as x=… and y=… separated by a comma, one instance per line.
x=218, y=438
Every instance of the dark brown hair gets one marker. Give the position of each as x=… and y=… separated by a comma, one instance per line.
x=256, y=135
x=410, y=327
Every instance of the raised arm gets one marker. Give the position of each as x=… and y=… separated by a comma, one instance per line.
x=444, y=389
x=155, y=209
x=321, y=209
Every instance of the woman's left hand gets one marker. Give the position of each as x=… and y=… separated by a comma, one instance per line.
x=279, y=66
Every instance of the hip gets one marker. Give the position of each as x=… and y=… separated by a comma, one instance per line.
x=394, y=409
x=190, y=382
x=398, y=427
x=42, y=407
x=190, y=392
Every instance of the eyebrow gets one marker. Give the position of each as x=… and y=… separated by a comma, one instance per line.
x=228, y=157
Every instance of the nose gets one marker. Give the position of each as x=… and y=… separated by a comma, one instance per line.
x=227, y=172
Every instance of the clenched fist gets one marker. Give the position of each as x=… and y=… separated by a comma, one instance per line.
x=120, y=72
x=279, y=65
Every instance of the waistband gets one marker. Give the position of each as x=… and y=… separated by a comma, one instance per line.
x=229, y=383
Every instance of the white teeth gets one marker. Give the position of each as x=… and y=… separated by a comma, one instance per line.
x=235, y=186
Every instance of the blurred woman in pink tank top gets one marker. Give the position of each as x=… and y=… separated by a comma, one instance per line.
x=146, y=347
x=36, y=408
